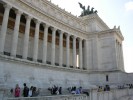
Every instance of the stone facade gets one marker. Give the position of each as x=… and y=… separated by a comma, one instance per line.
x=43, y=45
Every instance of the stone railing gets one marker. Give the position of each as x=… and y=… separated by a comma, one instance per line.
x=57, y=97
x=114, y=94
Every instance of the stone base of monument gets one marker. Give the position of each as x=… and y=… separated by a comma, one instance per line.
x=57, y=97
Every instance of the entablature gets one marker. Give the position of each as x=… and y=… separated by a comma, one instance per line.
x=52, y=10
x=106, y=33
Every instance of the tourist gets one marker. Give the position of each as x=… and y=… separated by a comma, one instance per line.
x=60, y=90
x=17, y=91
x=35, y=92
x=100, y=89
x=69, y=89
x=30, y=91
x=80, y=89
x=73, y=90
x=11, y=91
x=57, y=91
x=77, y=91
x=51, y=90
x=107, y=88
x=25, y=90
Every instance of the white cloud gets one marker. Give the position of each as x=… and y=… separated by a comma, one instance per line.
x=129, y=5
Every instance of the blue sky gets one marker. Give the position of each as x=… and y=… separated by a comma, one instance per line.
x=112, y=12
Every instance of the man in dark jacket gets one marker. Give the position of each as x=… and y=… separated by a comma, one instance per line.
x=25, y=90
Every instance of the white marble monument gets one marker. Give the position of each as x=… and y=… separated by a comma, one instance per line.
x=43, y=45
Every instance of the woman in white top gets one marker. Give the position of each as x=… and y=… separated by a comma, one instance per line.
x=30, y=91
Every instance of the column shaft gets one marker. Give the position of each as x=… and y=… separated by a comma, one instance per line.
x=4, y=27
x=61, y=49
x=45, y=39
x=53, y=46
x=74, y=52
x=26, y=37
x=86, y=51
x=15, y=34
x=67, y=50
x=36, y=39
x=80, y=54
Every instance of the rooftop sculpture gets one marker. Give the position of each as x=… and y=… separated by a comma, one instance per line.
x=86, y=11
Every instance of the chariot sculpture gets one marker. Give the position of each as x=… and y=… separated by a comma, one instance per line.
x=87, y=11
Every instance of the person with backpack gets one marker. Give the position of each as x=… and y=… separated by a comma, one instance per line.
x=25, y=90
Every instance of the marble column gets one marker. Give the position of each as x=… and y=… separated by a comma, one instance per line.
x=86, y=51
x=53, y=46
x=68, y=50
x=4, y=27
x=36, y=39
x=26, y=37
x=80, y=54
x=45, y=39
x=16, y=33
x=74, y=52
x=61, y=48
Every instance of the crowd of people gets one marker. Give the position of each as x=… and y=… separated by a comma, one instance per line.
x=32, y=92
x=130, y=86
x=55, y=90
x=104, y=88
x=74, y=90
x=79, y=90
x=107, y=87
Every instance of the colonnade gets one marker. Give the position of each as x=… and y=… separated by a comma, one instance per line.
x=36, y=40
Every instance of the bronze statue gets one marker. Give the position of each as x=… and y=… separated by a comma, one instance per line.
x=81, y=6
x=86, y=11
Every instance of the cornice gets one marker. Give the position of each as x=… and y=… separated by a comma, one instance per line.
x=56, y=12
x=61, y=10
x=104, y=33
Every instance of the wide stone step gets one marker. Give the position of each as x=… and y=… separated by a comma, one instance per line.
x=57, y=97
